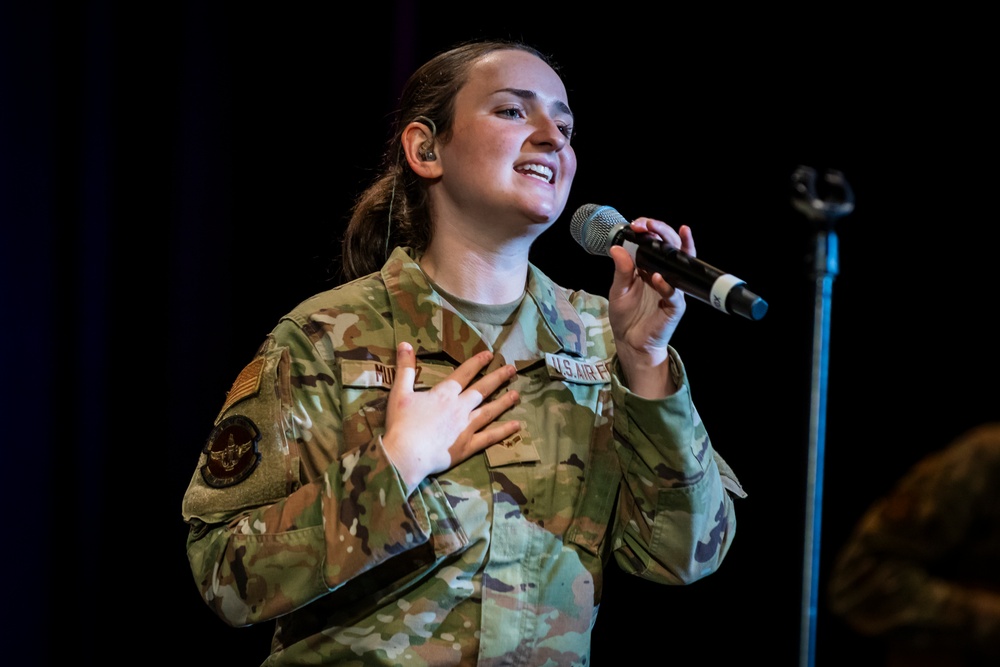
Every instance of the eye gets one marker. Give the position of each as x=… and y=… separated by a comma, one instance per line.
x=566, y=130
x=512, y=112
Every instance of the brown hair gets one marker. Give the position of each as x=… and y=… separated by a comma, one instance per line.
x=393, y=210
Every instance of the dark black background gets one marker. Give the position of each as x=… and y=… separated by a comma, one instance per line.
x=176, y=176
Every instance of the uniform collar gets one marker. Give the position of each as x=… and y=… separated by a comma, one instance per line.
x=425, y=319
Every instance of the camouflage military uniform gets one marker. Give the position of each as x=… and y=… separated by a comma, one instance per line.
x=922, y=568
x=296, y=513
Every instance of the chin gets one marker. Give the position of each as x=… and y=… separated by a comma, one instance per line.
x=547, y=213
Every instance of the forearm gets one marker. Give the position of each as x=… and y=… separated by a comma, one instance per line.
x=683, y=536
x=676, y=515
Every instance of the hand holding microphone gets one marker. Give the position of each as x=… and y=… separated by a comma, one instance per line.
x=597, y=228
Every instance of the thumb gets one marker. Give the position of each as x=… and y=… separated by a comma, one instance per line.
x=624, y=270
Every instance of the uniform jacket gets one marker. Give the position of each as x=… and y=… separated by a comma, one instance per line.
x=297, y=515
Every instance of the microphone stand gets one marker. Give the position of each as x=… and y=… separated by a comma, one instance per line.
x=822, y=212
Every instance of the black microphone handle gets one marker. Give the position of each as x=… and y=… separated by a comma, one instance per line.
x=701, y=280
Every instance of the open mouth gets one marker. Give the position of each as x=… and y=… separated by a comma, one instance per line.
x=539, y=171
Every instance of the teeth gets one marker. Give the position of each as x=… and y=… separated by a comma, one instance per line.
x=537, y=171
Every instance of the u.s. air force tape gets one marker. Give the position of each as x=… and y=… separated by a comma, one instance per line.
x=581, y=371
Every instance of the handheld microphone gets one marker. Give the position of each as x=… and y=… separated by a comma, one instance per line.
x=597, y=228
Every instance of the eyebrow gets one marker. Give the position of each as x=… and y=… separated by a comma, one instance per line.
x=532, y=95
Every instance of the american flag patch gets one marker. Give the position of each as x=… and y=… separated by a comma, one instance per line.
x=247, y=383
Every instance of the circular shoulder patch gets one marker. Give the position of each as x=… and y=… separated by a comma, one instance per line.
x=232, y=452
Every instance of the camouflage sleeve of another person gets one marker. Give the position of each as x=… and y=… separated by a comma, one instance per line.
x=273, y=540
x=676, y=517
x=920, y=566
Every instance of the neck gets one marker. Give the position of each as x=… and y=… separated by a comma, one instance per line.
x=467, y=270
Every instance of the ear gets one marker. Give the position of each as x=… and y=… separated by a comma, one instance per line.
x=417, y=142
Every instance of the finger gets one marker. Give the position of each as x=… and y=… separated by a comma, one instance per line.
x=663, y=230
x=492, y=381
x=662, y=287
x=489, y=411
x=687, y=241
x=468, y=369
x=490, y=435
x=406, y=367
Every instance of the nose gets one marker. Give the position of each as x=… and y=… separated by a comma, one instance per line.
x=548, y=133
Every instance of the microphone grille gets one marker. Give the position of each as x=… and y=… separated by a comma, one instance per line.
x=594, y=227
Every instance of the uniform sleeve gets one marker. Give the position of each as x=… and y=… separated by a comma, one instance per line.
x=676, y=518
x=265, y=537
x=901, y=574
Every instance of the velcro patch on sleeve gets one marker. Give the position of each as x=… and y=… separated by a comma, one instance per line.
x=231, y=452
x=367, y=374
x=247, y=383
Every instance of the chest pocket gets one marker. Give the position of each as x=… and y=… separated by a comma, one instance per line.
x=592, y=512
x=567, y=410
x=366, y=384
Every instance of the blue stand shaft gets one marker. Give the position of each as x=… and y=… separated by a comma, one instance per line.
x=825, y=271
